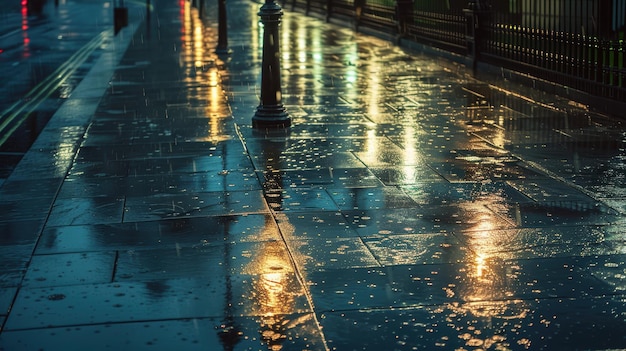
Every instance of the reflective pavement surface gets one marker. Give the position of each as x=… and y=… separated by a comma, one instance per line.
x=409, y=207
x=46, y=49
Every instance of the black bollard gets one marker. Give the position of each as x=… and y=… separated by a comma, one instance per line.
x=120, y=16
x=222, y=29
x=271, y=113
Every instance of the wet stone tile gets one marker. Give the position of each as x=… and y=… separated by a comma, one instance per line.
x=7, y=294
x=94, y=210
x=70, y=269
x=300, y=200
x=44, y=164
x=61, y=133
x=105, y=186
x=194, y=164
x=182, y=298
x=193, y=205
x=354, y=178
x=610, y=269
x=344, y=118
x=550, y=190
x=25, y=209
x=327, y=178
x=442, y=192
x=286, y=162
x=20, y=232
x=314, y=224
x=391, y=221
x=479, y=279
x=498, y=325
x=388, y=156
x=223, y=180
x=119, y=302
x=14, y=254
x=576, y=320
x=21, y=190
x=560, y=213
x=567, y=277
x=12, y=277
x=387, y=287
x=203, y=261
x=325, y=253
x=405, y=175
x=407, y=329
x=425, y=220
x=99, y=169
x=305, y=178
x=475, y=169
x=183, y=232
x=290, y=332
x=527, y=243
x=323, y=145
x=416, y=249
x=371, y=198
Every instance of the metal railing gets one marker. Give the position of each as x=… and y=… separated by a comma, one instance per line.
x=580, y=44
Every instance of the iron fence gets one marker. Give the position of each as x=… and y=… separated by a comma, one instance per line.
x=577, y=43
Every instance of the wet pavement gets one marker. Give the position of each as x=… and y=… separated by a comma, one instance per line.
x=409, y=207
x=46, y=49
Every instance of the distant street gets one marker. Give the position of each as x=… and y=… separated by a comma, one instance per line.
x=44, y=52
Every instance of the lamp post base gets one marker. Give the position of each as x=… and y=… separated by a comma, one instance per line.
x=271, y=117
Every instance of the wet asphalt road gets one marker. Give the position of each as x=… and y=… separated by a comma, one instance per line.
x=409, y=207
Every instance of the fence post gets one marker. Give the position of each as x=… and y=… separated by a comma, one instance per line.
x=404, y=15
x=475, y=16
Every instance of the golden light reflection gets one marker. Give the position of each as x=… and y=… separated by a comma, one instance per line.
x=63, y=156
x=373, y=91
x=274, y=288
x=350, y=74
x=272, y=266
x=202, y=70
x=371, y=148
x=410, y=155
x=484, y=284
x=302, y=46
x=481, y=279
x=498, y=137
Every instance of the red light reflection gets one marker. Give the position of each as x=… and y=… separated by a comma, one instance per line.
x=26, y=39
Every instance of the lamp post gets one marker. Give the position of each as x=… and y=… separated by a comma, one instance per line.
x=271, y=114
